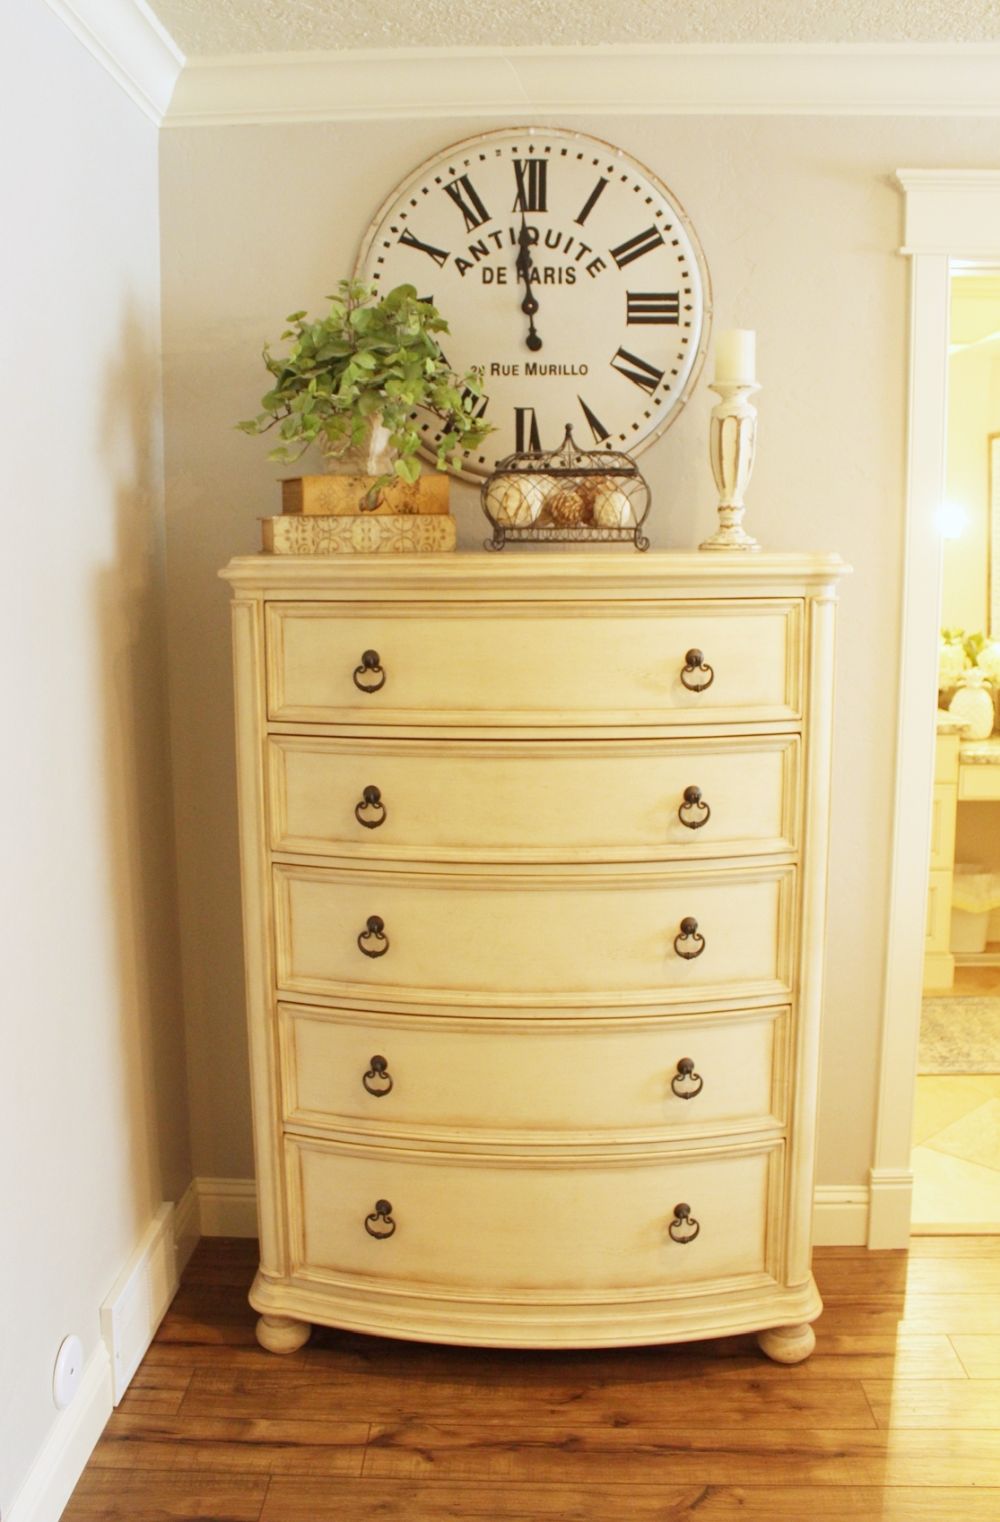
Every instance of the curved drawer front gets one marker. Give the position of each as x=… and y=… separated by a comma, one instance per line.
x=516, y=1225
x=553, y=1077
x=531, y=799
x=508, y=937
x=531, y=664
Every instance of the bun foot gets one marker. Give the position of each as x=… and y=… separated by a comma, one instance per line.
x=787, y=1344
x=280, y=1334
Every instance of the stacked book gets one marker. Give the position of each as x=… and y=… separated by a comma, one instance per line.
x=333, y=515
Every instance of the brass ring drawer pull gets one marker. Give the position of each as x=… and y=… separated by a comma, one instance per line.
x=378, y=1079
x=685, y=1074
x=695, y=808
x=371, y=798
x=371, y=667
x=683, y=1228
x=696, y=663
x=374, y=931
x=688, y=932
x=380, y=1223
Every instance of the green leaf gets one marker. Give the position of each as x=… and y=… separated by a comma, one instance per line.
x=368, y=354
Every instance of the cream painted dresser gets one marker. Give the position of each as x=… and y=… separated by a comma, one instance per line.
x=534, y=859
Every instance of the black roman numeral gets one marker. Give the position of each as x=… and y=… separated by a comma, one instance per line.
x=532, y=184
x=526, y=435
x=463, y=193
x=652, y=306
x=591, y=202
x=473, y=404
x=643, y=374
x=634, y=248
x=597, y=428
x=439, y=255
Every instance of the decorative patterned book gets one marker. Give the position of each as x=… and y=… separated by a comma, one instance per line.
x=323, y=496
x=358, y=533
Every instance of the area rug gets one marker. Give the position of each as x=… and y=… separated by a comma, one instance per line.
x=960, y=1035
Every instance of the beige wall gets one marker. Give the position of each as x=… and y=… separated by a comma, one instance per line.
x=801, y=226
x=93, y=1112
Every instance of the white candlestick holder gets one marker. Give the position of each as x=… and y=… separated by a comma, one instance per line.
x=732, y=437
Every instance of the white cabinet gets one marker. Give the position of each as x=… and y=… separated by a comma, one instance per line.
x=534, y=858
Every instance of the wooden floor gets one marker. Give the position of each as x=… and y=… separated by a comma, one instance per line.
x=896, y=1415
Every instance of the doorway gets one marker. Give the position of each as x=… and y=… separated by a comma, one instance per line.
x=956, y=1135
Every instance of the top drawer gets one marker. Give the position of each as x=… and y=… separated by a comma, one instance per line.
x=526, y=664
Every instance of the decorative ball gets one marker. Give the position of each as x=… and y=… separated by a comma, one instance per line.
x=568, y=506
x=612, y=507
x=515, y=501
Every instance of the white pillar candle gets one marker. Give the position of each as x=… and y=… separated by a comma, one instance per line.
x=735, y=356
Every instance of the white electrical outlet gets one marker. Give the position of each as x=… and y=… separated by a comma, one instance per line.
x=68, y=1371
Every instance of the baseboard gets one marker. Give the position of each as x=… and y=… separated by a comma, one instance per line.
x=840, y=1215
x=890, y=1209
x=227, y=1207
x=71, y=1440
x=139, y=1298
x=187, y=1226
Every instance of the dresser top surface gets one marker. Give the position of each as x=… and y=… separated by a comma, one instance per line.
x=480, y=574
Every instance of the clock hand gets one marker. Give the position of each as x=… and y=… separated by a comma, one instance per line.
x=529, y=306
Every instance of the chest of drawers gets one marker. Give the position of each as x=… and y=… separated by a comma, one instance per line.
x=533, y=861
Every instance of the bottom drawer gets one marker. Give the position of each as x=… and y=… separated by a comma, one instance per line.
x=480, y=1223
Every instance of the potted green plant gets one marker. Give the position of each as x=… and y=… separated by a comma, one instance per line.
x=352, y=379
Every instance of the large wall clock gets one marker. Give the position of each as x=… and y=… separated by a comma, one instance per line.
x=566, y=270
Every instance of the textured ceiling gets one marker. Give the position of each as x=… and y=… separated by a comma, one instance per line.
x=205, y=27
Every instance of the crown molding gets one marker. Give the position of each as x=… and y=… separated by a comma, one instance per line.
x=129, y=42
x=437, y=83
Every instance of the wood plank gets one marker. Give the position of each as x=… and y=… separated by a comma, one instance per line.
x=194, y=1330
x=916, y=1315
x=746, y=1403
x=105, y=1495
x=151, y=1402
x=568, y=1455
x=185, y=1357
x=954, y=1247
x=922, y=1276
x=220, y=1301
x=860, y=1277
x=394, y=1500
x=413, y=1501
x=920, y=1247
x=979, y=1356
x=940, y=1404
x=786, y=1503
x=881, y=1355
x=156, y=1391
x=701, y=1456
x=854, y=1355
x=223, y=1444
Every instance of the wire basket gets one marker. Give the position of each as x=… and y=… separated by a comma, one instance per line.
x=571, y=495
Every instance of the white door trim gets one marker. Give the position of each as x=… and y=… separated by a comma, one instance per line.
x=952, y=217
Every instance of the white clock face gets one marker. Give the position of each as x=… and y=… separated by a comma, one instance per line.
x=566, y=272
